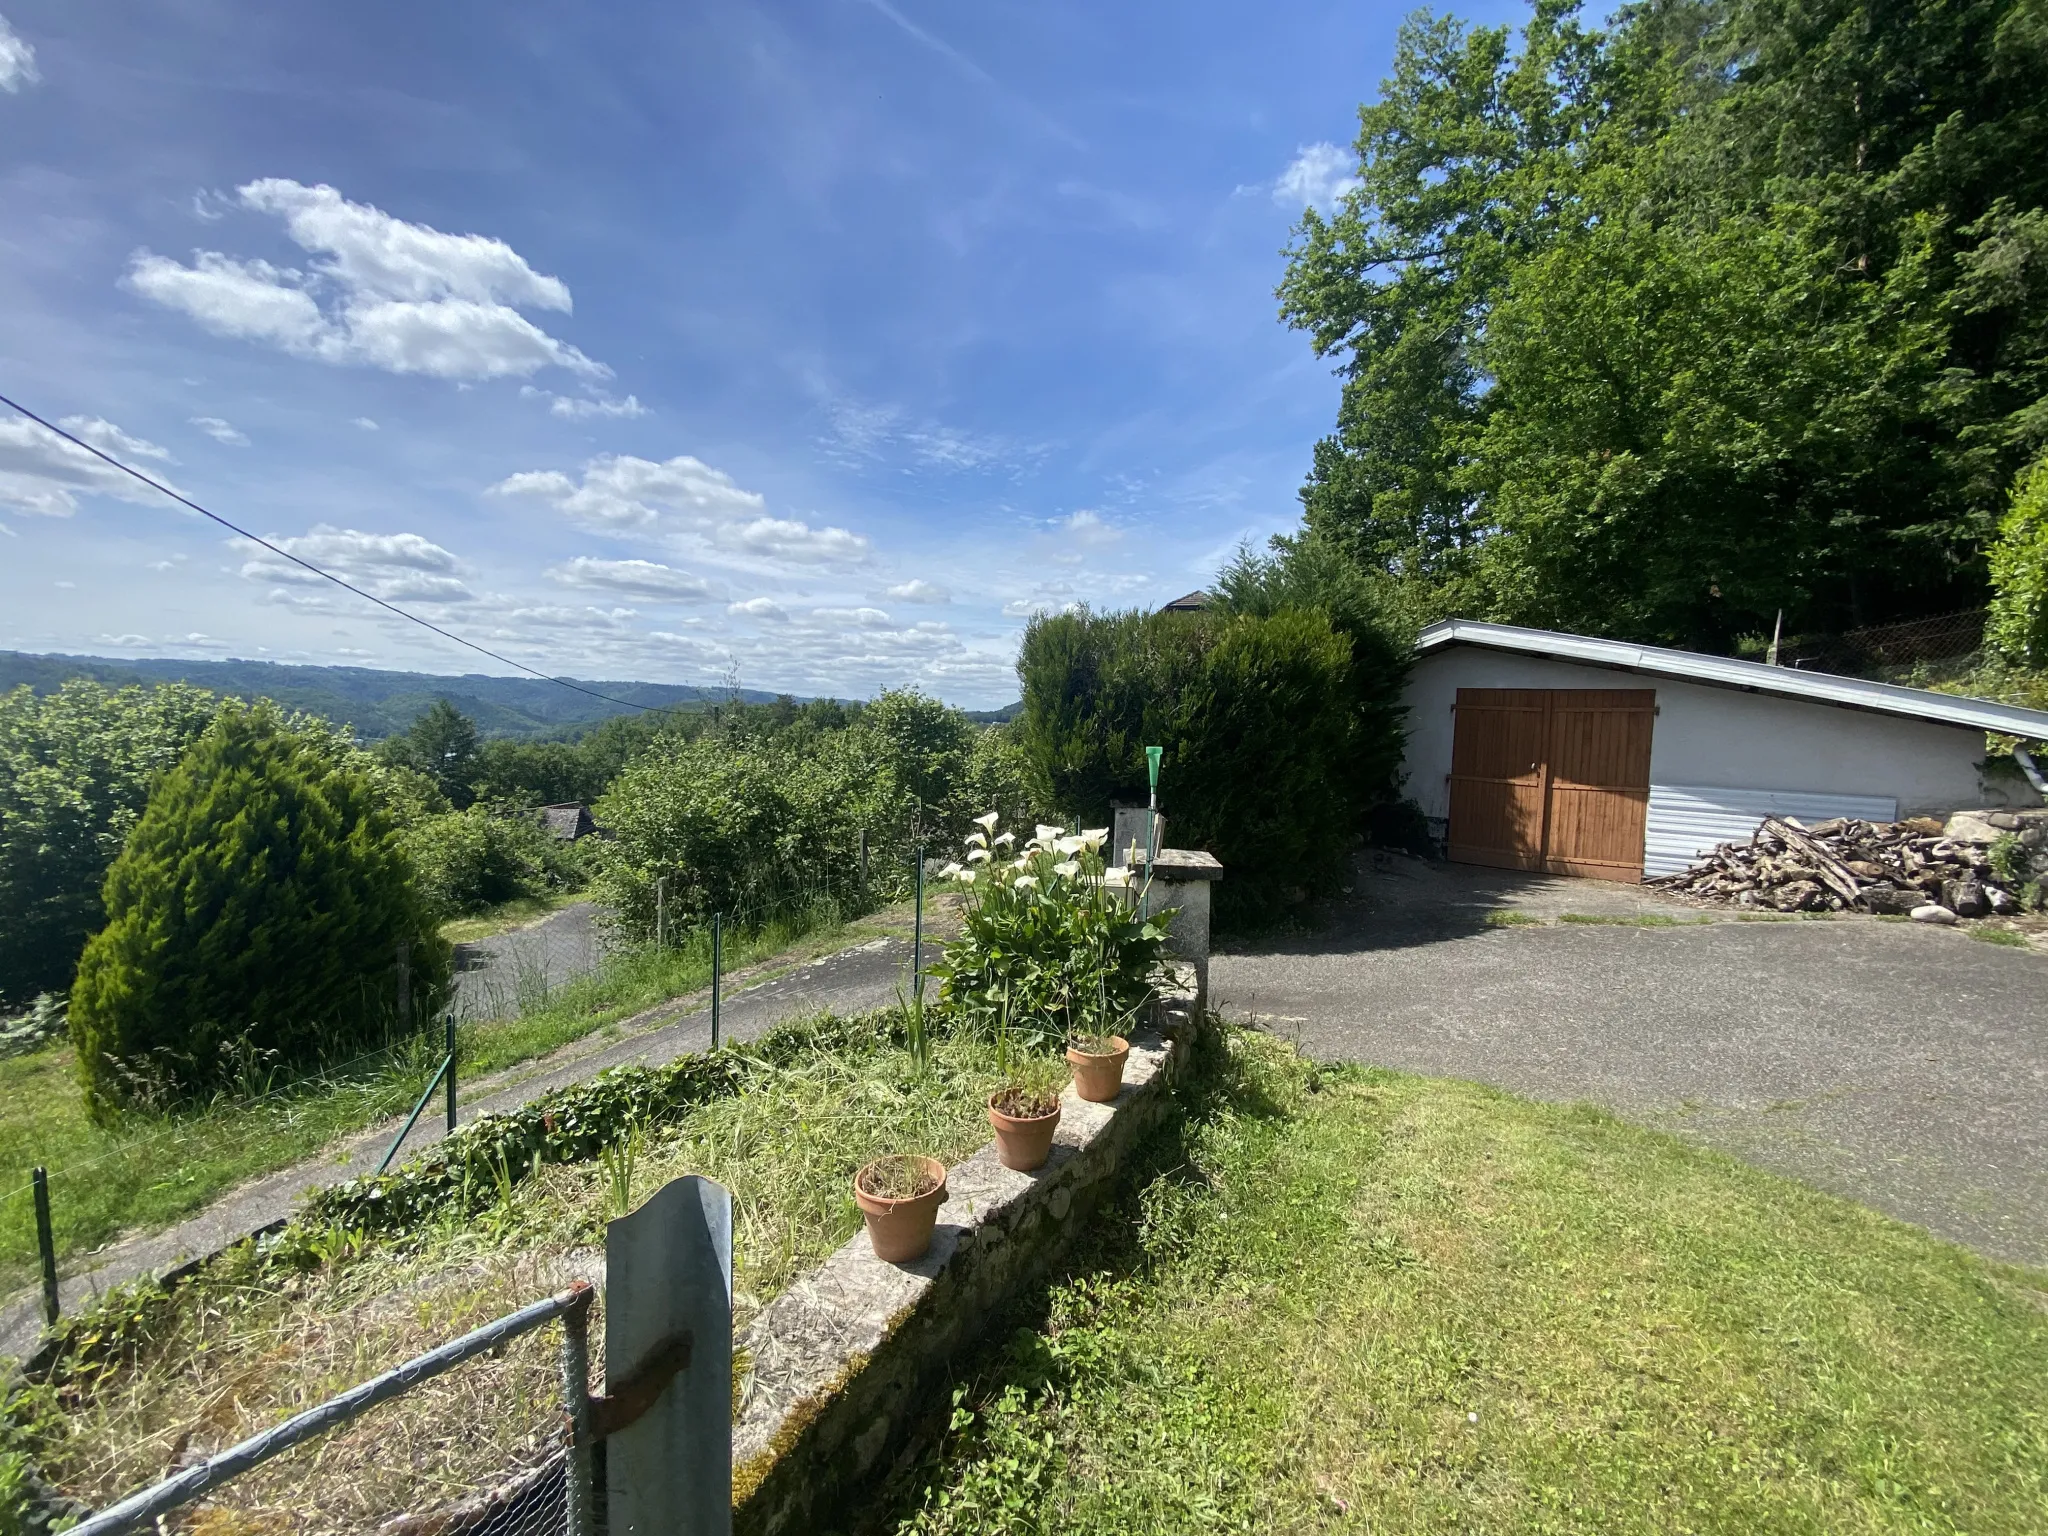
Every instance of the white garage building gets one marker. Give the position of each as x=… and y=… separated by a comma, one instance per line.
x=1534, y=750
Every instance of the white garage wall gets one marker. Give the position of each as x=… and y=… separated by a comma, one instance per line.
x=1716, y=737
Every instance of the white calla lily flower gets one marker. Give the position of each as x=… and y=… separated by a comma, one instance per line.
x=978, y=856
x=965, y=877
x=1049, y=834
x=1071, y=845
x=1025, y=882
x=1069, y=868
x=1007, y=840
x=1095, y=837
x=1117, y=877
x=950, y=872
x=987, y=823
x=977, y=839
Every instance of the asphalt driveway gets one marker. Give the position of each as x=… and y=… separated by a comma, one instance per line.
x=1900, y=1065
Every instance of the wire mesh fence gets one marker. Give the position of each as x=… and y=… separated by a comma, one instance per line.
x=1939, y=648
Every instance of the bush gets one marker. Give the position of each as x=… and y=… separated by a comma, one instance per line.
x=1256, y=719
x=2018, y=622
x=1049, y=946
x=469, y=861
x=254, y=919
x=75, y=770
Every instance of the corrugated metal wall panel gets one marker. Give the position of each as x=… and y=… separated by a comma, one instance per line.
x=1688, y=820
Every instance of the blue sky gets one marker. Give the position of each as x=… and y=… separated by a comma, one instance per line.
x=819, y=342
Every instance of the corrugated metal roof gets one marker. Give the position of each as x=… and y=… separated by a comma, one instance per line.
x=1751, y=676
x=1687, y=820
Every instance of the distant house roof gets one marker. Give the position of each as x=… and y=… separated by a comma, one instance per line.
x=1750, y=676
x=568, y=822
x=1194, y=602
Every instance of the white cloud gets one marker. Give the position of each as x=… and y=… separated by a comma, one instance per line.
x=17, y=60
x=860, y=618
x=366, y=424
x=124, y=639
x=618, y=491
x=783, y=539
x=1089, y=530
x=1317, y=177
x=42, y=473
x=682, y=496
x=641, y=578
x=918, y=590
x=759, y=608
x=398, y=567
x=220, y=431
x=582, y=408
x=379, y=293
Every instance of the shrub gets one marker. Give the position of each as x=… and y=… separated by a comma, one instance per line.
x=471, y=860
x=2018, y=621
x=1050, y=948
x=1256, y=719
x=75, y=771
x=254, y=918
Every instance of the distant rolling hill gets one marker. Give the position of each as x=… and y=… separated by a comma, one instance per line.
x=376, y=703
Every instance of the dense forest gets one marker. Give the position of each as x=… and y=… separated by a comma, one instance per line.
x=1662, y=327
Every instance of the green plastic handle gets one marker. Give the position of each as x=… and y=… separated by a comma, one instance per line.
x=1152, y=755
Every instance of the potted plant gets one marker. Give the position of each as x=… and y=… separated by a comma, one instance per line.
x=900, y=1196
x=1025, y=1118
x=1098, y=1063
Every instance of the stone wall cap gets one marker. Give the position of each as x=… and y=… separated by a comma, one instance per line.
x=1184, y=864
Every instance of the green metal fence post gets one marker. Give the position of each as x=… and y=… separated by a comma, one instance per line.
x=717, y=962
x=46, y=1241
x=917, y=935
x=451, y=1072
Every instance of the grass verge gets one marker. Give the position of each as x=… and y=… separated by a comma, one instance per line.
x=151, y=1170
x=1632, y=920
x=246, y=1343
x=1358, y=1301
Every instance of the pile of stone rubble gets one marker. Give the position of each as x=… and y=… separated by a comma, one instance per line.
x=1925, y=868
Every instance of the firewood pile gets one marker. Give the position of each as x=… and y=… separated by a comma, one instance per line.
x=1900, y=867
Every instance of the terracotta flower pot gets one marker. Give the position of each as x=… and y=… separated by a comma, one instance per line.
x=1099, y=1079
x=1022, y=1143
x=901, y=1227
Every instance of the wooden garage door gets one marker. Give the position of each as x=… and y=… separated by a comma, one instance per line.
x=1555, y=779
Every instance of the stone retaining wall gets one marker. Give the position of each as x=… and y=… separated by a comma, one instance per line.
x=850, y=1364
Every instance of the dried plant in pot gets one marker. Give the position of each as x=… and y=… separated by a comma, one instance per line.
x=1098, y=1063
x=900, y=1196
x=1025, y=1118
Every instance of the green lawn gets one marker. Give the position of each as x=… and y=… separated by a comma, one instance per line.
x=516, y=913
x=151, y=1170
x=1359, y=1301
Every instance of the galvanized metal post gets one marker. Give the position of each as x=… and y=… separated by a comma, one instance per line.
x=582, y=1491
x=451, y=1072
x=717, y=964
x=46, y=1243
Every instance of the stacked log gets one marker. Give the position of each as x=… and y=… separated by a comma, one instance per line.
x=1900, y=867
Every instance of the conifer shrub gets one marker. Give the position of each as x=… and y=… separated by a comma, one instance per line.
x=1255, y=713
x=254, y=922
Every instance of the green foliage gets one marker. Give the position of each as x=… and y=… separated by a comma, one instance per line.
x=753, y=816
x=1311, y=574
x=1657, y=330
x=442, y=744
x=468, y=861
x=75, y=771
x=2018, y=623
x=1050, y=948
x=254, y=920
x=1256, y=716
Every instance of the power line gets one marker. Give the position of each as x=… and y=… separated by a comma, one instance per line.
x=347, y=586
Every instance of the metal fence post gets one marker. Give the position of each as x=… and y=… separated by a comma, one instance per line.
x=46, y=1241
x=661, y=912
x=451, y=1073
x=717, y=964
x=917, y=934
x=582, y=1490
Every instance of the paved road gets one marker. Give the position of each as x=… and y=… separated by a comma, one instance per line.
x=854, y=980
x=1903, y=1066
x=501, y=974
